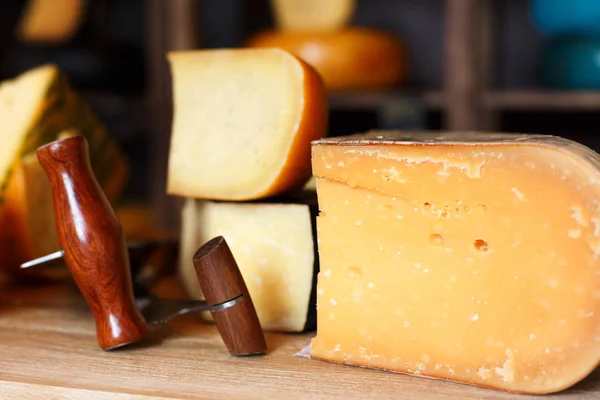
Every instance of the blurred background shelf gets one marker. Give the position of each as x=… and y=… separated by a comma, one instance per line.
x=534, y=99
x=542, y=100
x=366, y=100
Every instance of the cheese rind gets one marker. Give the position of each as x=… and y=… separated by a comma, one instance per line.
x=348, y=60
x=274, y=248
x=466, y=257
x=243, y=123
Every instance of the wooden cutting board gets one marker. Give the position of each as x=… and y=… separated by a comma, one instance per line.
x=48, y=350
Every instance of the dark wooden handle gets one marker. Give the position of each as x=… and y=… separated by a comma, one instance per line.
x=221, y=281
x=94, y=246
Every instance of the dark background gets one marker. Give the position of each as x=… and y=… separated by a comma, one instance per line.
x=107, y=62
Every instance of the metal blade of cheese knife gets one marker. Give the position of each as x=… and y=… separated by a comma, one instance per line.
x=135, y=248
x=49, y=259
x=157, y=310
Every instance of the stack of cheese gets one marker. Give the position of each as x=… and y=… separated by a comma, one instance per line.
x=347, y=58
x=242, y=127
x=37, y=107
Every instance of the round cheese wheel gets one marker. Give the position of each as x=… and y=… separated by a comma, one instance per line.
x=348, y=59
x=313, y=15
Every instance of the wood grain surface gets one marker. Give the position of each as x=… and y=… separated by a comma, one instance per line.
x=221, y=281
x=48, y=351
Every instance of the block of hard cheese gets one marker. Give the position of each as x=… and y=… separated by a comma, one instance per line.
x=39, y=104
x=466, y=257
x=243, y=123
x=27, y=225
x=273, y=244
x=35, y=108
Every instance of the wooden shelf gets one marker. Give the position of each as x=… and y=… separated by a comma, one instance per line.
x=372, y=100
x=471, y=51
x=495, y=100
x=542, y=100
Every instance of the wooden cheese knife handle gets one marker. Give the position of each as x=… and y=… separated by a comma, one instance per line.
x=221, y=281
x=93, y=243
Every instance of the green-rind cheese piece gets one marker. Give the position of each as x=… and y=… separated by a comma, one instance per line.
x=35, y=108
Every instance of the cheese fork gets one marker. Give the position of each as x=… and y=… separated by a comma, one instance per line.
x=155, y=309
x=97, y=256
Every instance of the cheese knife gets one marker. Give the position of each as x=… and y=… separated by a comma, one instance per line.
x=155, y=309
x=97, y=256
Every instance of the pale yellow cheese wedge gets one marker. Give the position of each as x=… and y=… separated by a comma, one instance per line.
x=243, y=123
x=273, y=246
x=313, y=15
x=465, y=257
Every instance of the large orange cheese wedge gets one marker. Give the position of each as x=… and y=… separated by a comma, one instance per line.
x=465, y=257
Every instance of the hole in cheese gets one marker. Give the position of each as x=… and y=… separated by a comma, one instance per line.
x=436, y=239
x=480, y=245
